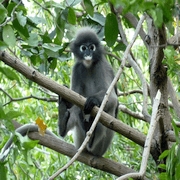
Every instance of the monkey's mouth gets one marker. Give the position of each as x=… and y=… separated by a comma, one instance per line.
x=87, y=61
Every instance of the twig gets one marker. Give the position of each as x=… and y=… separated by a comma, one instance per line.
x=126, y=53
x=147, y=146
x=25, y=98
x=137, y=115
x=130, y=92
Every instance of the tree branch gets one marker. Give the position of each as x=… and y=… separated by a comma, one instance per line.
x=149, y=138
x=25, y=98
x=132, y=113
x=136, y=68
x=72, y=97
x=67, y=149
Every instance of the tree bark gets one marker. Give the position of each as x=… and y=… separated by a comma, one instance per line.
x=158, y=80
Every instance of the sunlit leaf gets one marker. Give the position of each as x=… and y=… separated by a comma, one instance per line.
x=41, y=125
x=164, y=154
x=9, y=36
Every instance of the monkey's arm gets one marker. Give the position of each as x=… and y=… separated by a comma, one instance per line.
x=23, y=130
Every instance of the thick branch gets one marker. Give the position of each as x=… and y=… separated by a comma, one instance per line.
x=71, y=96
x=86, y=158
x=158, y=80
x=65, y=148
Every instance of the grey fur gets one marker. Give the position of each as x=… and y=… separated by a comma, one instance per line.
x=91, y=80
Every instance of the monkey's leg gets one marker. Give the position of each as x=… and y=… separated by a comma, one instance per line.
x=100, y=140
x=68, y=116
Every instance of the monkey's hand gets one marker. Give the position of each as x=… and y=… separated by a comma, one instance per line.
x=90, y=103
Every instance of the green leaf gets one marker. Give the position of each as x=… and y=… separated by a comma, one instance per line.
x=162, y=166
x=26, y=142
x=22, y=19
x=3, y=13
x=23, y=31
x=176, y=131
x=164, y=154
x=9, y=73
x=163, y=176
x=89, y=7
x=159, y=15
x=3, y=170
x=120, y=47
x=71, y=16
x=177, y=171
x=53, y=64
x=9, y=36
x=13, y=114
x=111, y=29
x=73, y=2
x=2, y=113
x=52, y=47
x=60, y=27
x=33, y=40
x=3, y=45
x=37, y=20
x=99, y=18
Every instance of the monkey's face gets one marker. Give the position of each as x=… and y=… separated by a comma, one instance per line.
x=87, y=48
x=87, y=52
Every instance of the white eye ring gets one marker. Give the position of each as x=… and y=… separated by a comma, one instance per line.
x=92, y=47
x=83, y=48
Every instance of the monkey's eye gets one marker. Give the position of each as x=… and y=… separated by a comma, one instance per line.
x=83, y=48
x=92, y=47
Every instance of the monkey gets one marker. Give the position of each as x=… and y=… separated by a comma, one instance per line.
x=91, y=77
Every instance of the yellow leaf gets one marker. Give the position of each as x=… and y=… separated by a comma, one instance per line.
x=41, y=126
